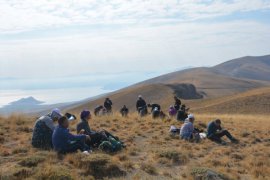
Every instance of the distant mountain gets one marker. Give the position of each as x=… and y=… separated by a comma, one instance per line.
x=229, y=78
x=29, y=101
x=226, y=79
x=257, y=68
x=28, y=105
x=32, y=106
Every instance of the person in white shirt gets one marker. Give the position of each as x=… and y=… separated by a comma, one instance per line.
x=187, y=129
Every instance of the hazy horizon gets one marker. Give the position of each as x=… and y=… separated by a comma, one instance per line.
x=51, y=48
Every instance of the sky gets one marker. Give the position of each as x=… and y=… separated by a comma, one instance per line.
x=56, y=44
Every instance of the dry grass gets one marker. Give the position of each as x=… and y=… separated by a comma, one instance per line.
x=151, y=153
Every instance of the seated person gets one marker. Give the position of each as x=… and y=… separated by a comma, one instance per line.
x=187, y=129
x=97, y=110
x=182, y=113
x=83, y=127
x=65, y=142
x=124, y=111
x=155, y=113
x=162, y=115
x=215, y=132
x=43, y=130
x=154, y=106
x=172, y=111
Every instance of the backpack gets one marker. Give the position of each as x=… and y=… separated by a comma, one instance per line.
x=111, y=145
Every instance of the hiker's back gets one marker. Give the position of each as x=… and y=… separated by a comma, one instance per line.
x=42, y=135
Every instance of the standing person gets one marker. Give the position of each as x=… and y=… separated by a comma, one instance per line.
x=124, y=111
x=177, y=103
x=215, y=132
x=154, y=106
x=108, y=105
x=65, y=142
x=140, y=104
x=43, y=130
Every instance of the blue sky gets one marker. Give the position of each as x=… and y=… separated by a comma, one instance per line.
x=108, y=40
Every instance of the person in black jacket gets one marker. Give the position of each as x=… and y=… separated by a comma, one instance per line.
x=108, y=105
x=97, y=110
x=177, y=103
x=124, y=111
x=154, y=106
x=215, y=132
x=182, y=113
x=140, y=103
x=83, y=128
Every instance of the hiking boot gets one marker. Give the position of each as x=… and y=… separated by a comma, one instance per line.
x=235, y=141
x=223, y=143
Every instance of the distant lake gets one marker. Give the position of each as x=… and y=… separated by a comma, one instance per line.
x=51, y=96
x=67, y=89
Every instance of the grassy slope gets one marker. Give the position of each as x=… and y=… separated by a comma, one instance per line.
x=153, y=91
x=151, y=152
x=129, y=97
x=209, y=81
x=251, y=102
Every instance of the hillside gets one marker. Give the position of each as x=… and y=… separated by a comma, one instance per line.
x=214, y=82
x=251, y=102
x=208, y=81
x=257, y=68
x=155, y=93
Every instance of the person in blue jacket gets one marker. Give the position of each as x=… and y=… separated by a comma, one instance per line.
x=65, y=142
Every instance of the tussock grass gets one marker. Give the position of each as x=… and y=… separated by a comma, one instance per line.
x=151, y=152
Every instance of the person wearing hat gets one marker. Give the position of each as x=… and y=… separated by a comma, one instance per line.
x=215, y=132
x=43, y=130
x=187, y=129
x=84, y=128
x=65, y=142
x=140, y=104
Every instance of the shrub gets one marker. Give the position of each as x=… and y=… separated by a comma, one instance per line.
x=150, y=169
x=19, y=150
x=206, y=173
x=98, y=165
x=54, y=173
x=32, y=161
x=2, y=139
x=174, y=156
x=16, y=173
x=245, y=134
x=23, y=173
